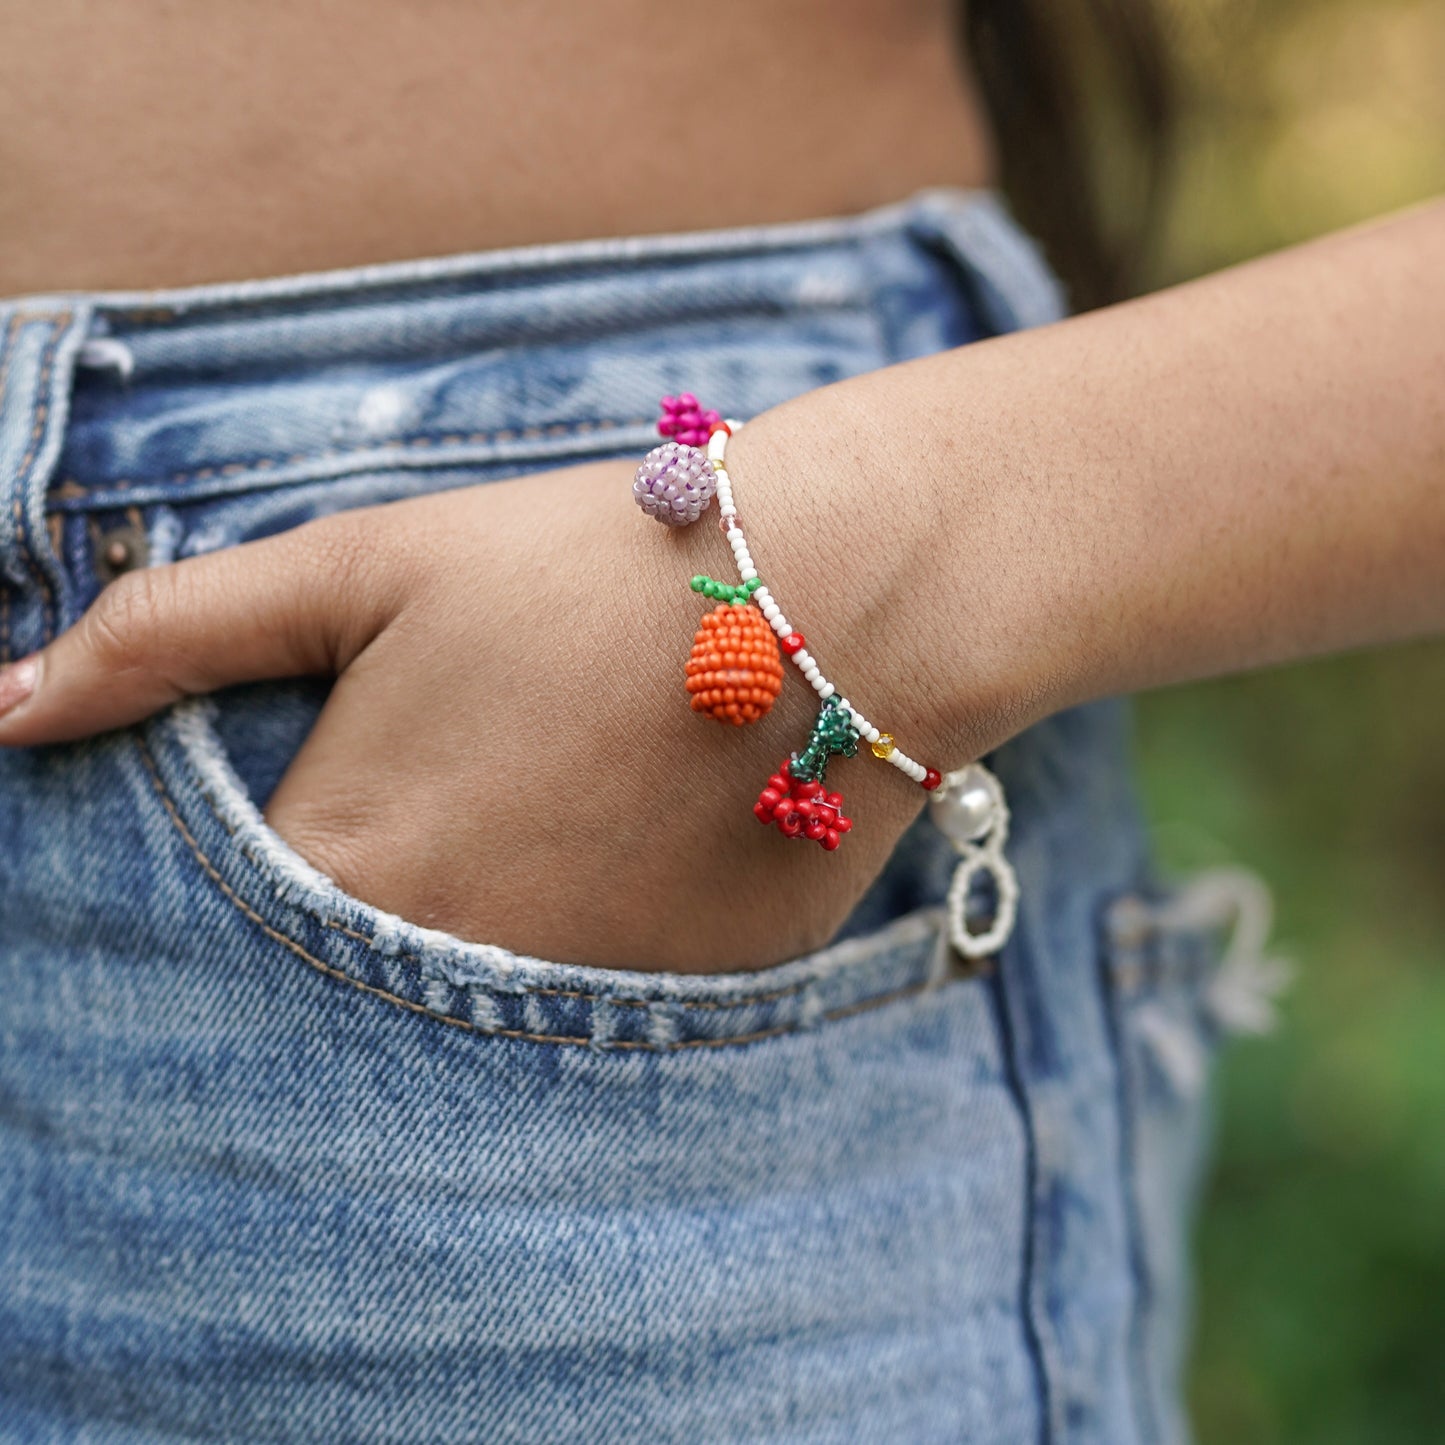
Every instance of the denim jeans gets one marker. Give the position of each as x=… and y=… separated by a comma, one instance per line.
x=277, y=1166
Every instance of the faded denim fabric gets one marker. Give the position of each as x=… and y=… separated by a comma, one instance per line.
x=277, y=1166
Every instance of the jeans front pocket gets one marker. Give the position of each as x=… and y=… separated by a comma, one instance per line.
x=302, y=1170
x=1183, y=969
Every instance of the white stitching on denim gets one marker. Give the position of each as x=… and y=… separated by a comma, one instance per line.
x=293, y=946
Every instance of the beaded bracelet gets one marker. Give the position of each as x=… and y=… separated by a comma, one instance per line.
x=735, y=674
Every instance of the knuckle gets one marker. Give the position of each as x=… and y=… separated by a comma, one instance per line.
x=334, y=544
x=123, y=623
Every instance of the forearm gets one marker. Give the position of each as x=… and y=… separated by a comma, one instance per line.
x=1240, y=471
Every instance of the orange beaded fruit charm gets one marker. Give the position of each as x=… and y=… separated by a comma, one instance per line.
x=735, y=671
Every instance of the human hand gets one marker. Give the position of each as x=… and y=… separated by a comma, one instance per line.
x=508, y=753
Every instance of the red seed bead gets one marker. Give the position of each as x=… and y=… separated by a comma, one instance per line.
x=931, y=779
x=794, y=642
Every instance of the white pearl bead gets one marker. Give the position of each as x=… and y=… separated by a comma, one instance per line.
x=826, y=691
x=748, y=573
x=968, y=810
x=770, y=609
x=870, y=733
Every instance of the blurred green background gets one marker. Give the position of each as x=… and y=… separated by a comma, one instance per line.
x=1321, y=1249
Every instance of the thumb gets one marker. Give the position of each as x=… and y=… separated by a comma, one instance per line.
x=290, y=605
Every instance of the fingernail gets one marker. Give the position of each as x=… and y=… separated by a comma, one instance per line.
x=17, y=682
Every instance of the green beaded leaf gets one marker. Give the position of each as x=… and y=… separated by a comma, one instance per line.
x=833, y=735
x=723, y=591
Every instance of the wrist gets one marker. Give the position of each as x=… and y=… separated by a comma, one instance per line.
x=860, y=545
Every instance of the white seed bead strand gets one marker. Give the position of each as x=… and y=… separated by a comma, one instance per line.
x=747, y=571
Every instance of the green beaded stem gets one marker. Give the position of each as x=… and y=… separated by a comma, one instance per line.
x=833, y=735
x=723, y=592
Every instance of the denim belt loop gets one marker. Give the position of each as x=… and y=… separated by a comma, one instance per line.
x=1002, y=267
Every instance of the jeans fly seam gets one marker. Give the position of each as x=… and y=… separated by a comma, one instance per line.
x=341, y=976
x=37, y=429
x=5, y=581
x=70, y=489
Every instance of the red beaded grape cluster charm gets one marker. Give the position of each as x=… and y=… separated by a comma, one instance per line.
x=735, y=674
x=801, y=808
x=796, y=799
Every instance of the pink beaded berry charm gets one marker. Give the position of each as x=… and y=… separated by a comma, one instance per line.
x=684, y=420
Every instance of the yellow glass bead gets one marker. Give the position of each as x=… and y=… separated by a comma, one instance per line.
x=883, y=748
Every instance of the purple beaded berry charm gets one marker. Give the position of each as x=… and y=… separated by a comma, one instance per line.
x=675, y=484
